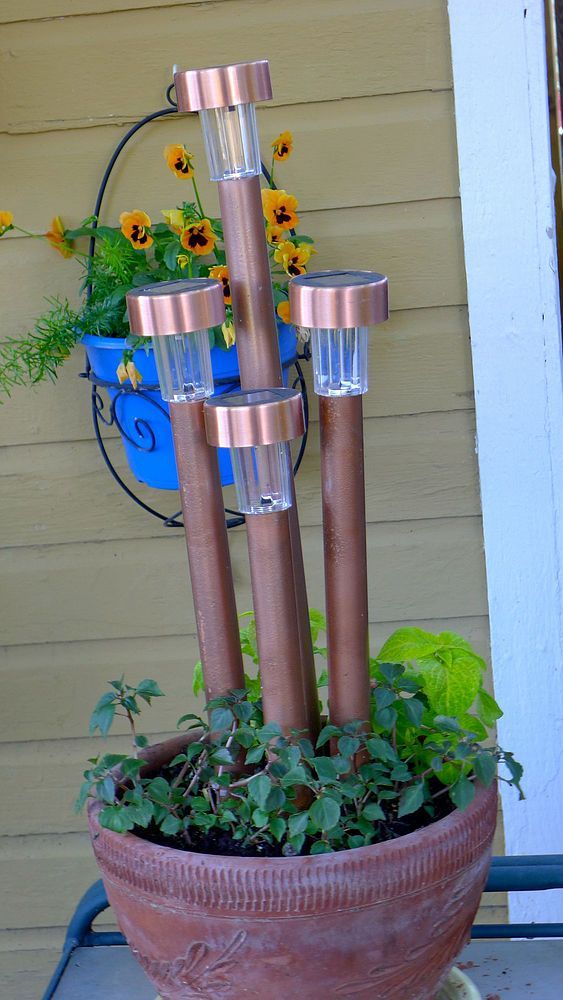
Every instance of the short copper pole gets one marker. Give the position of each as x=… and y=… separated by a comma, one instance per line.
x=177, y=315
x=345, y=557
x=258, y=425
x=208, y=551
x=337, y=307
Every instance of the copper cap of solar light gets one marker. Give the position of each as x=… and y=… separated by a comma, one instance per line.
x=331, y=300
x=223, y=86
x=260, y=416
x=169, y=307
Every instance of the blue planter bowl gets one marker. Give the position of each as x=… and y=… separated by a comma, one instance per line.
x=142, y=418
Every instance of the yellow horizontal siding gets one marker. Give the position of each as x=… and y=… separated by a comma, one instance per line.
x=318, y=51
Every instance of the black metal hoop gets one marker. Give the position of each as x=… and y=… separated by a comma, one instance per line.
x=146, y=439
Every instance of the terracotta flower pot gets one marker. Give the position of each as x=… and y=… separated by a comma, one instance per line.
x=384, y=921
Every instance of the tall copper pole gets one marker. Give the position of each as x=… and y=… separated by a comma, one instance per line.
x=338, y=307
x=257, y=425
x=177, y=315
x=225, y=97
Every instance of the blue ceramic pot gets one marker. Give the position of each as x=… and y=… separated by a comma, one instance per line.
x=142, y=418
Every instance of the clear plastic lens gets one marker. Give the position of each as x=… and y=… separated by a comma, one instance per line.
x=263, y=477
x=340, y=361
x=231, y=142
x=183, y=361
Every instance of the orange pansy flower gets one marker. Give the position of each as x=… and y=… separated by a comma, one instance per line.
x=221, y=273
x=283, y=311
x=179, y=161
x=280, y=208
x=135, y=226
x=275, y=234
x=198, y=237
x=6, y=219
x=56, y=237
x=283, y=146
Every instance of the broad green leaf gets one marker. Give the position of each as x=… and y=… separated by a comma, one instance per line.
x=159, y=790
x=411, y=799
x=255, y=755
x=408, y=644
x=103, y=714
x=319, y=847
x=171, y=253
x=451, y=640
x=348, y=745
x=487, y=708
x=471, y=724
x=462, y=793
x=450, y=681
x=325, y=813
x=414, y=710
x=326, y=733
x=277, y=827
x=275, y=799
x=390, y=671
x=384, y=697
x=318, y=623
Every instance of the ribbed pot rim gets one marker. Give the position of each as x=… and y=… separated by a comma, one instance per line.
x=354, y=877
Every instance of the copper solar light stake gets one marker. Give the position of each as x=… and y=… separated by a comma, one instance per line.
x=257, y=426
x=337, y=307
x=178, y=315
x=225, y=97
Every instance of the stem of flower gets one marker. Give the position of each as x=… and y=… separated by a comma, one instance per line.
x=197, y=198
x=272, y=185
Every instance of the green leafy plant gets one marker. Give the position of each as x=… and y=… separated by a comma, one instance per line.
x=242, y=786
x=189, y=243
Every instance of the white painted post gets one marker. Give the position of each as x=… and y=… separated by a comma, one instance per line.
x=506, y=181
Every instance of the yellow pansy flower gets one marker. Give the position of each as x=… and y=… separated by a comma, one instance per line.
x=198, y=237
x=283, y=146
x=283, y=311
x=56, y=237
x=175, y=219
x=280, y=208
x=221, y=274
x=275, y=234
x=6, y=219
x=182, y=260
x=135, y=226
x=179, y=161
x=293, y=258
x=228, y=329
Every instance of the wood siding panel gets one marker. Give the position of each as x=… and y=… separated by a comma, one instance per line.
x=419, y=362
x=96, y=590
x=68, y=678
x=382, y=47
x=413, y=159
x=423, y=467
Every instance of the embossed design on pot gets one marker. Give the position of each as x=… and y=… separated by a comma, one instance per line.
x=196, y=976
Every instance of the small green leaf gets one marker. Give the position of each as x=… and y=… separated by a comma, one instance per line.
x=373, y=811
x=260, y=817
x=386, y=718
x=390, y=671
x=319, y=847
x=462, y=793
x=171, y=253
x=277, y=827
x=298, y=823
x=141, y=741
x=411, y=799
x=326, y=733
x=148, y=689
x=198, y=686
x=348, y=746
x=325, y=767
x=171, y=825
x=255, y=755
x=116, y=818
x=317, y=621
x=485, y=767
x=384, y=697
x=243, y=711
x=220, y=719
x=414, y=710
x=325, y=813
x=275, y=799
x=259, y=789
x=159, y=790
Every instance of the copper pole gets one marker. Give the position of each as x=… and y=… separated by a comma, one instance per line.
x=274, y=606
x=260, y=367
x=208, y=550
x=346, y=583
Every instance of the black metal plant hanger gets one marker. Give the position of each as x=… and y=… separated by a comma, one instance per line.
x=147, y=440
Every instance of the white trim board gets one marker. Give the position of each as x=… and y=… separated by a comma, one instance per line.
x=500, y=87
